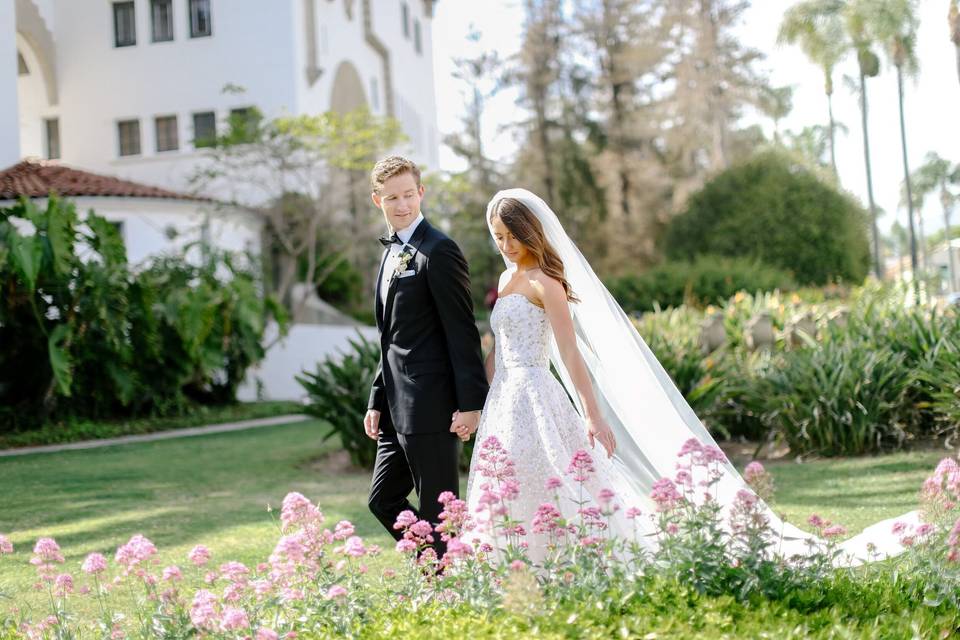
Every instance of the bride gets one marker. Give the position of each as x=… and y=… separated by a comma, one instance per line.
x=552, y=309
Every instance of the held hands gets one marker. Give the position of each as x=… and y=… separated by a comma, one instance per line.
x=598, y=429
x=371, y=424
x=464, y=424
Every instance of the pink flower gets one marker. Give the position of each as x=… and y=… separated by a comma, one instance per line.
x=172, y=573
x=264, y=633
x=834, y=531
x=94, y=563
x=406, y=546
x=291, y=547
x=553, y=483
x=672, y=528
x=405, y=519
x=446, y=496
x=746, y=498
x=343, y=530
x=547, y=519
x=817, y=522
x=234, y=571
x=633, y=512
x=199, y=555
x=712, y=453
x=233, y=619
x=899, y=527
x=456, y=548
x=298, y=511
x=605, y=496
x=683, y=478
x=336, y=591
x=5, y=545
x=691, y=446
x=203, y=609
x=137, y=549
x=354, y=547
x=518, y=565
x=421, y=528
x=665, y=494
x=925, y=529
x=753, y=470
x=581, y=466
x=45, y=551
x=63, y=584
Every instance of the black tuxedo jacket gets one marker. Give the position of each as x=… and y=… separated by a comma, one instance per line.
x=430, y=358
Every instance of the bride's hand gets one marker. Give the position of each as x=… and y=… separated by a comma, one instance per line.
x=598, y=429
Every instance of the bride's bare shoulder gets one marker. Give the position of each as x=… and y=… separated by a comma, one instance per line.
x=545, y=285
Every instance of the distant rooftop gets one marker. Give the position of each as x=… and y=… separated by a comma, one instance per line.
x=38, y=178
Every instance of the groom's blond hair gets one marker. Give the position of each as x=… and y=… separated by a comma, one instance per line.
x=389, y=167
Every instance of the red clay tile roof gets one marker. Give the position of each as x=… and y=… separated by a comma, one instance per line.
x=36, y=179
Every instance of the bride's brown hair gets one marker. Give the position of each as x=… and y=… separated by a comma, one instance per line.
x=526, y=228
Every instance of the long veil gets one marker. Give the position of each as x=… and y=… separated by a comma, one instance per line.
x=647, y=413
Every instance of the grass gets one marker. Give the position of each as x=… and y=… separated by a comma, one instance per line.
x=215, y=489
x=75, y=431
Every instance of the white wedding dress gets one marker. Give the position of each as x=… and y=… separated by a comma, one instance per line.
x=538, y=422
x=529, y=412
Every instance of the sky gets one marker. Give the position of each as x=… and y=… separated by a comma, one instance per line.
x=932, y=103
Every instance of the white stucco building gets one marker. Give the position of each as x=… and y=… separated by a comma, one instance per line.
x=125, y=87
x=127, y=90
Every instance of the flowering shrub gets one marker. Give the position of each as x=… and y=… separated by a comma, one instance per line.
x=316, y=582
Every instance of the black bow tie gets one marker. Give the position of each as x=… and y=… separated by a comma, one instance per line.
x=387, y=241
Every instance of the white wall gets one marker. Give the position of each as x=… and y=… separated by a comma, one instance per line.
x=9, y=112
x=303, y=348
x=100, y=84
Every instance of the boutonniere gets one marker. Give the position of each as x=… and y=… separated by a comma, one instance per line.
x=402, y=261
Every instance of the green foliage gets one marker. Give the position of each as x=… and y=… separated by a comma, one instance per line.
x=888, y=374
x=705, y=280
x=776, y=211
x=84, y=336
x=338, y=392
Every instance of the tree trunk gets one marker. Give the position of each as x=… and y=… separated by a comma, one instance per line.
x=833, y=142
x=906, y=178
x=953, y=270
x=866, y=155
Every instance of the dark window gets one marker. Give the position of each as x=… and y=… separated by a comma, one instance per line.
x=204, y=129
x=161, y=16
x=405, y=12
x=129, y=134
x=417, y=42
x=167, y=138
x=52, y=131
x=22, y=68
x=200, y=18
x=124, y=24
x=243, y=123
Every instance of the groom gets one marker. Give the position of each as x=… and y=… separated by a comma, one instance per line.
x=430, y=360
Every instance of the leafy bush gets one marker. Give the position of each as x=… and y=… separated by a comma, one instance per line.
x=83, y=336
x=774, y=210
x=338, y=392
x=705, y=280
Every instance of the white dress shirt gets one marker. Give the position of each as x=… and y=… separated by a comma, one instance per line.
x=393, y=255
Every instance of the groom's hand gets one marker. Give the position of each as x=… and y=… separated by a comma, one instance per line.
x=465, y=423
x=371, y=423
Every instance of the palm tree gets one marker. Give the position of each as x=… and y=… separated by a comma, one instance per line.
x=816, y=27
x=868, y=66
x=953, y=17
x=937, y=173
x=893, y=24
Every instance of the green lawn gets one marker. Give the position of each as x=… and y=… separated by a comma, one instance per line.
x=215, y=489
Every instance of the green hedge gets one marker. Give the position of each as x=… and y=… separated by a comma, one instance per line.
x=776, y=211
x=706, y=280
